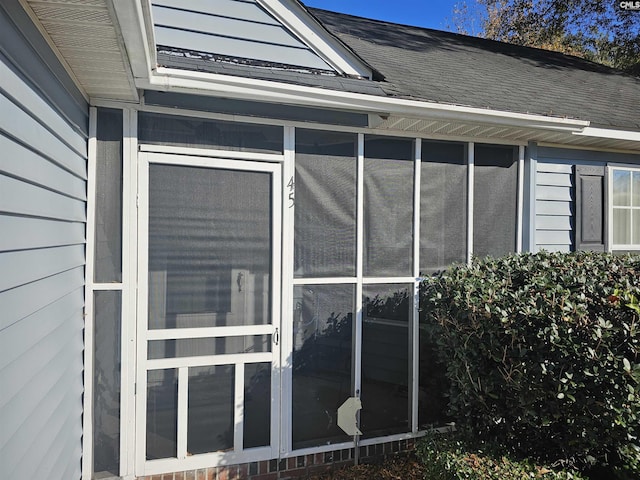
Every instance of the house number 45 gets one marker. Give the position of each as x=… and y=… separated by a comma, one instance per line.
x=292, y=196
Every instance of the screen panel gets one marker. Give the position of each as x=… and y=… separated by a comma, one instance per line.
x=388, y=206
x=325, y=204
x=495, y=202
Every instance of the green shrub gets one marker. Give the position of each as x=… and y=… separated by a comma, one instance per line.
x=447, y=457
x=542, y=352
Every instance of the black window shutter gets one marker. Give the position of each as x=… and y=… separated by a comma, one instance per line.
x=590, y=208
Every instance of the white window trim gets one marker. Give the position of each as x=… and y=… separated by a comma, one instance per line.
x=316, y=37
x=611, y=168
x=212, y=153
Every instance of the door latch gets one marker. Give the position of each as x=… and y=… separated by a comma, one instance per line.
x=276, y=336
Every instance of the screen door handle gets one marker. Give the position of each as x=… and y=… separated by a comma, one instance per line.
x=276, y=337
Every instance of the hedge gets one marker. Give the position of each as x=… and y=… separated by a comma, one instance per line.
x=542, y=353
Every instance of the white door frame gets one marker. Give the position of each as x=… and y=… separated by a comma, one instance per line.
x=182, y=461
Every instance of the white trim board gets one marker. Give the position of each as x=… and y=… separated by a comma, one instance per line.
x=169, y=79
x=301, y=23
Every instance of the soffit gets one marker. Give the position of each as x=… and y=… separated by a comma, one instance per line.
x=89, y=42
x=436, y=128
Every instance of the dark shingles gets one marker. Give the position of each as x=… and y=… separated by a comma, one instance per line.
x=456, y=69
x=435, y=66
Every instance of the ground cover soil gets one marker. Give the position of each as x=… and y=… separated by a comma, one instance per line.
x=396, y=467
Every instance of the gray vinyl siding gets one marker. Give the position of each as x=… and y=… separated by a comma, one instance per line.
x=233, y=29
x=555, y=193
x=554, y=197
x=43, y=140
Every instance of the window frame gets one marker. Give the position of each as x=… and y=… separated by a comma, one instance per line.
x=611, y=169
x=360, y=280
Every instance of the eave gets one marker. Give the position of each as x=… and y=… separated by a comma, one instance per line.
x=109, y=49
x=402, y=115
x=87, y=38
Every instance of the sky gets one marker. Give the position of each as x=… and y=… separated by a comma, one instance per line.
x=436, y=14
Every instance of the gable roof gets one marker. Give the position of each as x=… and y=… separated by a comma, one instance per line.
x=233, y=30
x=447, y=68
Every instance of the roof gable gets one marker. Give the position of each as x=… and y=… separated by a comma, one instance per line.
x=262, y=33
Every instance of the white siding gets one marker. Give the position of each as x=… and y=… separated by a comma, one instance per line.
x=43, y=140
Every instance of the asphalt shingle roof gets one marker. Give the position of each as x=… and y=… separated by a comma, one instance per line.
x=448, y=68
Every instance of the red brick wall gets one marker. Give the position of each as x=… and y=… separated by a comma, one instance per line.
x=290, y=468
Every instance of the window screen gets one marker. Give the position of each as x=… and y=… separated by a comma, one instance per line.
x=386, y=377
x=325, y=204
x=388, y=206
x=495, y=200
x=443, y=205
x=108, y=235
x=106, y=382
x=322, y=361
x=209, y=247
x=193, y=132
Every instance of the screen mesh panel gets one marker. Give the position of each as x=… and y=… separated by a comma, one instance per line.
x=322, y=356
x=108, y=234
x=386, y=379
x=388, y=206
x=179, y=131
x=495, y=200
x=443, y=205
x=209, y=247
x=325, y=204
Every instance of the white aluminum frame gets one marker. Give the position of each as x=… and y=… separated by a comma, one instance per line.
x=288, y=217
x=471, y=163
x=415, y=313
x=182, y=461
x=610, y=207
x=87, y=423
x=127, y=333
x=359, y=281
x=134, y=347
x=129, y=292
x=520, y=202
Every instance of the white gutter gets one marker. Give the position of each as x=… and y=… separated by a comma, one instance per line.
x=174, y=80
x=609, y=133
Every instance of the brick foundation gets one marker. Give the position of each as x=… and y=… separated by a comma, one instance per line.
x=291, y=468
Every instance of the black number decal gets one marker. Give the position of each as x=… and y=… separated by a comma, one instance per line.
x=292, y=195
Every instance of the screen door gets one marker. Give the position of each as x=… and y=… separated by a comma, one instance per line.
x=208, y=373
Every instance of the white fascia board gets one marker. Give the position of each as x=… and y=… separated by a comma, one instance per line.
x=136, y=28
x=201, y=83
x=294, y=17
x=609, y=133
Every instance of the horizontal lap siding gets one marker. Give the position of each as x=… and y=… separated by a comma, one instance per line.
x=236, y=29
x=554, y=206
x=555, y=192
x=43, y=140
